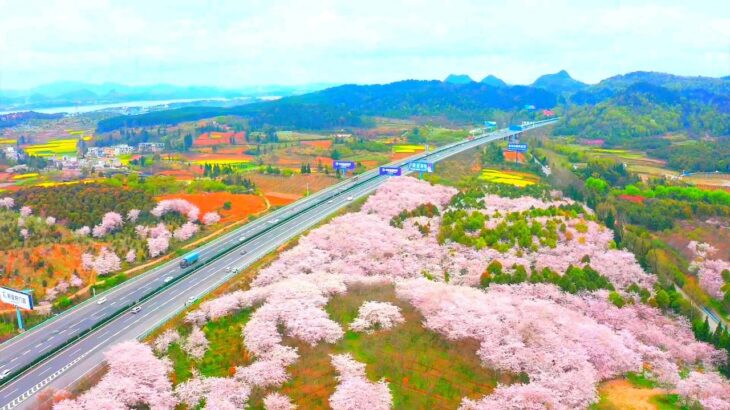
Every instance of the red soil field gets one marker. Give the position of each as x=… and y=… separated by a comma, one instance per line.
x=181, y=173
x=514, y=156
x=218, y=156
x=396, y=156
x=242, y=205
x=319, y=144
x=295, y=184
x=219, y=138
x=280, y=199
x=637, y=199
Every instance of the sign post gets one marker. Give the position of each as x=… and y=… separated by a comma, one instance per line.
x=390, y=171
x=420, y=167
x=19, y=300
x=343, y=166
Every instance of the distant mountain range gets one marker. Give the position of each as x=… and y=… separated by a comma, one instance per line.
x=559, y=83
x=70, y=93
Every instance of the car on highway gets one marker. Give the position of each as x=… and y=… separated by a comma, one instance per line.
x=241, y=238
x=228, y=268
x=168, y=278
x=4, y=374
x=101, y=300
x=329, y=202
x=136, y=309
x=190, y=301
x=349, y=198
x=243, y=252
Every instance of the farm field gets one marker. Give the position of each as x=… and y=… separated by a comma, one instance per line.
x=53, y=147
x=295, y=184
x=242, y=205
x=509, y=177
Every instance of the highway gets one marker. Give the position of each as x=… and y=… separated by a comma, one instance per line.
x=220, y=259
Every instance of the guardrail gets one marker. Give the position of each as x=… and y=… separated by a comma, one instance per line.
x=314, y=201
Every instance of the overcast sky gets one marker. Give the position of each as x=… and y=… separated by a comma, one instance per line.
x=251, y=42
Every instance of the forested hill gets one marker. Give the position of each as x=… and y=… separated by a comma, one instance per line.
x=347, y=105
x=618, y=109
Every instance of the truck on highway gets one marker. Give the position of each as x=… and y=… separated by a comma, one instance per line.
x=189, y=259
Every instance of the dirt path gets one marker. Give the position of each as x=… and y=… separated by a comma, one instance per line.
x=621, y=394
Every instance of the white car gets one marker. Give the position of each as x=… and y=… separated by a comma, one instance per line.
x=100, y=301
x=228, y=269
x=241, y=239
x=349, y=198
x=329, y=202
x=4, y=374
x=167, y=279
x=190, y=301
x=136, y=309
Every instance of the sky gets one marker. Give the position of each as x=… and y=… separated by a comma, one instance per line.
x=250, y=42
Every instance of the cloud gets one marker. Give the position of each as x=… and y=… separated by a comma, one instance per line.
x=233, y=43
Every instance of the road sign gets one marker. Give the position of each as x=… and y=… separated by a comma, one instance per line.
x=16, y=298
x=390, y=171
x=343, y=165
x=420, y=166
x=517, y=147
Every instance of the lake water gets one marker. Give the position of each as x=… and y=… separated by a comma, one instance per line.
x=96, y=107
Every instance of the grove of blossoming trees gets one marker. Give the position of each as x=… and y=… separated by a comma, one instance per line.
x=104, y=263
x=135, y=378
x=565, y=343
x=180, y=206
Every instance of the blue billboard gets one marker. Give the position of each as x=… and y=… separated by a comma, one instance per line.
x=390, y=171
x=420, y=166
x=343, y=165
x=517, y=147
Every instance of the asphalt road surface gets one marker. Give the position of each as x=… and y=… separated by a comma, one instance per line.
x=247, y=244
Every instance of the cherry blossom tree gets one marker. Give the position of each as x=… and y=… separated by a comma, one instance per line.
x=355, y=391
x=180, y=206
x=157, y=246
x=104, y=263
x=709, y=389
x=25, y=234
x=76, y=281
x=131, y=256
x=135, y=378
x=186, y=231
x=109, y=222
x=133, y=215
x=164, y=340
x=25, y=211
x=50, y=221
x=83, y=231
x=7, y=203
x=141, y=231
x=211, y=218
x=401, y=193
x=376, y=315
x=218, y=392
x=195, y=344
x=277, y=401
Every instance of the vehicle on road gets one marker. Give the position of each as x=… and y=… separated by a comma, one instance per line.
x=190, y=301
x=101, y=300
x=136, y=309
x=228, y=269
x=243, y=252
x=4, y=374
x=329, y=202
x=189, y=259
x=349, y=198
x=241, y=239
x=167, y=279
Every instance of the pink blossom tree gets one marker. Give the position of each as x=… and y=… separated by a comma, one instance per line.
x=277, y=401
x=211, y=218
x=180, y=206
x=186, y=231
x=104, y=263
x=131, y=256
x=355, y=391
x=25, y=234
x=76, y=281
x=195, y=344
x=135, y=378
x=7, y=203
x=708, y=389
x=26, y=211
x=376, y=315
x=50, y=221
x=157, y=246
x=109, y=222
x=83, y=231
x=133, y=215
x=164, y=340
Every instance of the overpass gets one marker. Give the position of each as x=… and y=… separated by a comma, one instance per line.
x=64, y=349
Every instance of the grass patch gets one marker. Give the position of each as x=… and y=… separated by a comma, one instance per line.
x=668, y=402
x=520, y=179
x=640, y=380
x=423, y=369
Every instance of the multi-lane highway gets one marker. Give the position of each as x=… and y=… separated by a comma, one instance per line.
x=63, y=363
